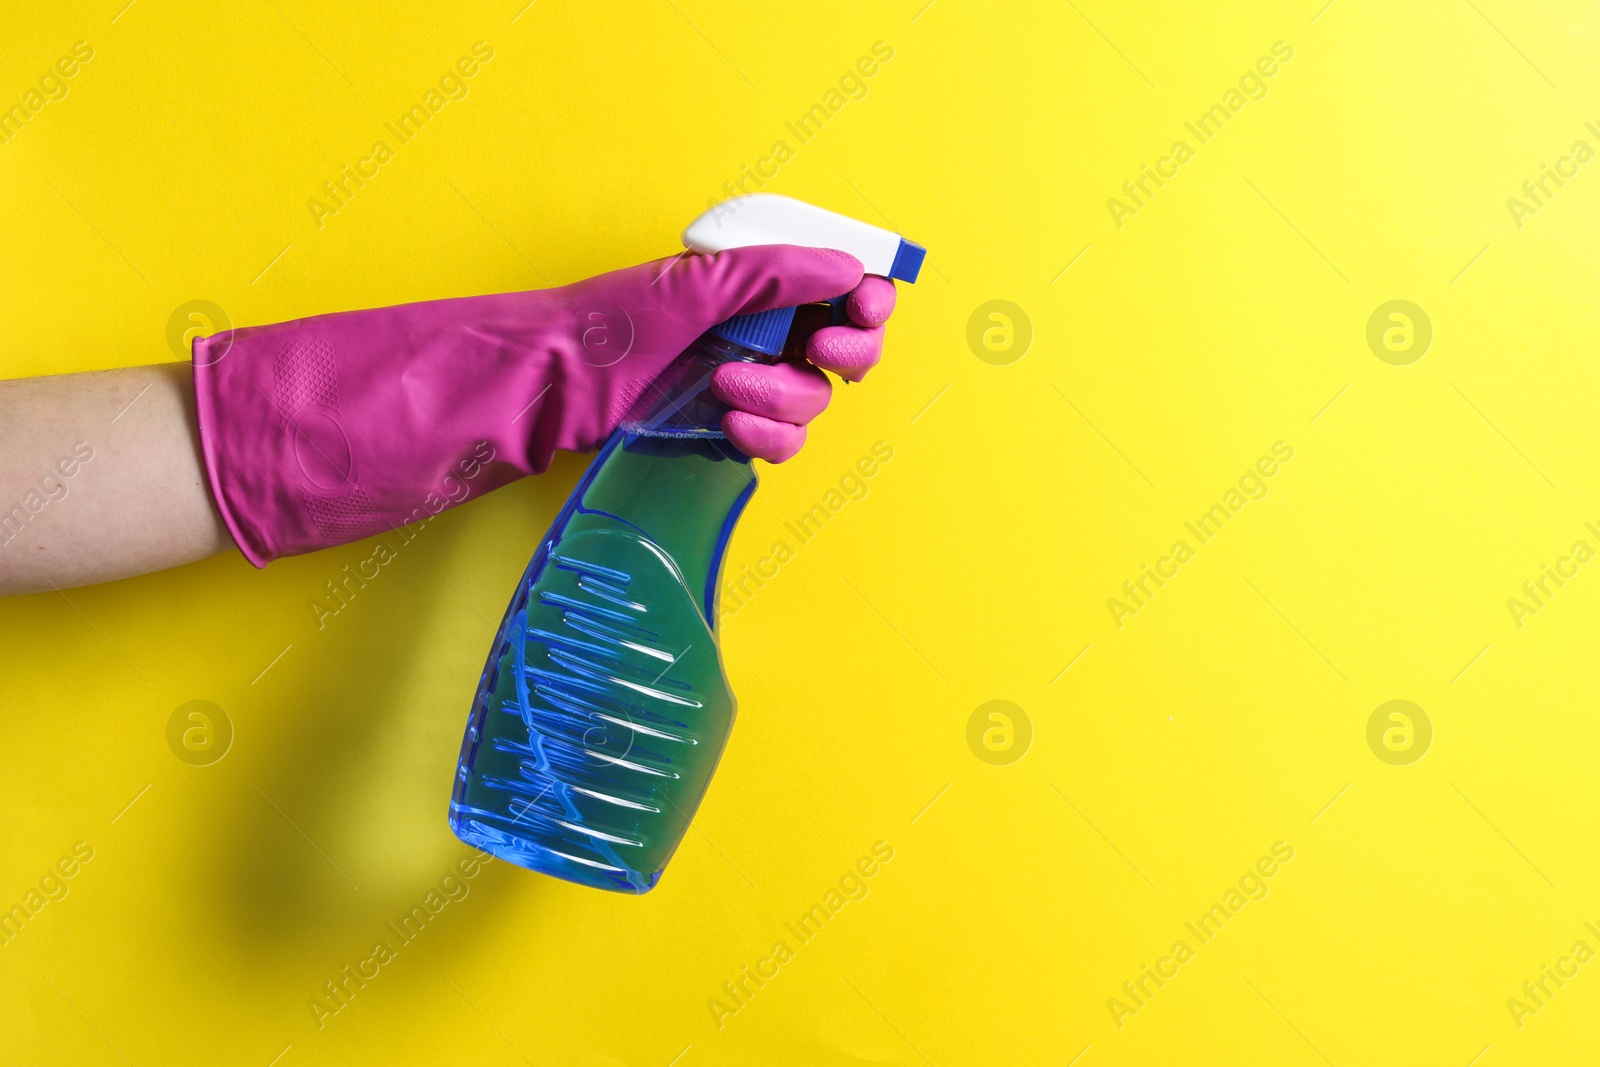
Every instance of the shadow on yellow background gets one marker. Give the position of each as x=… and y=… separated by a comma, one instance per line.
x=1192, y=679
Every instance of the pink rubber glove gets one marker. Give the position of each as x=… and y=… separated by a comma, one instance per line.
x=327, y=430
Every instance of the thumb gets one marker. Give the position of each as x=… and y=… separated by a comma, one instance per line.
x=740, y=281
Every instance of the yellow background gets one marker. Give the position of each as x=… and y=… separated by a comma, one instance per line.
x=1228, y=714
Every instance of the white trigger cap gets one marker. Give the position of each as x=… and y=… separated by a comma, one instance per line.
x=771, y=219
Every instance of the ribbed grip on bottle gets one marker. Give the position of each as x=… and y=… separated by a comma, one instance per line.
x=764, y=331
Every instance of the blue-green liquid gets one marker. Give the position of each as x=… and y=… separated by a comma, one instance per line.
x=604, y=708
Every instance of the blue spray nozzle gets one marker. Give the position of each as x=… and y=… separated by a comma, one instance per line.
x=907, y=261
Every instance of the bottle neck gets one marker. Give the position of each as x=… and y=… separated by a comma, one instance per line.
x=679, y=402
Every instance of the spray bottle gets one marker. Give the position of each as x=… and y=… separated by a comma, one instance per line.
x=604, y=708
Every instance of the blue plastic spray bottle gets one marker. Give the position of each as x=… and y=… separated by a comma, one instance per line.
x=604, y=708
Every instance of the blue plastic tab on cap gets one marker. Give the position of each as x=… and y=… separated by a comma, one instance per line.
x=764, y=331
x=908, y=261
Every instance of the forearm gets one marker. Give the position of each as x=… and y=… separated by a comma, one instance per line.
x=101, y=477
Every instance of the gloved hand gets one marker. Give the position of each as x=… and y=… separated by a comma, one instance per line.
x=330, y=429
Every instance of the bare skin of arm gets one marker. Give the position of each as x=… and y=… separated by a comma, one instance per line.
x=101, y=477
